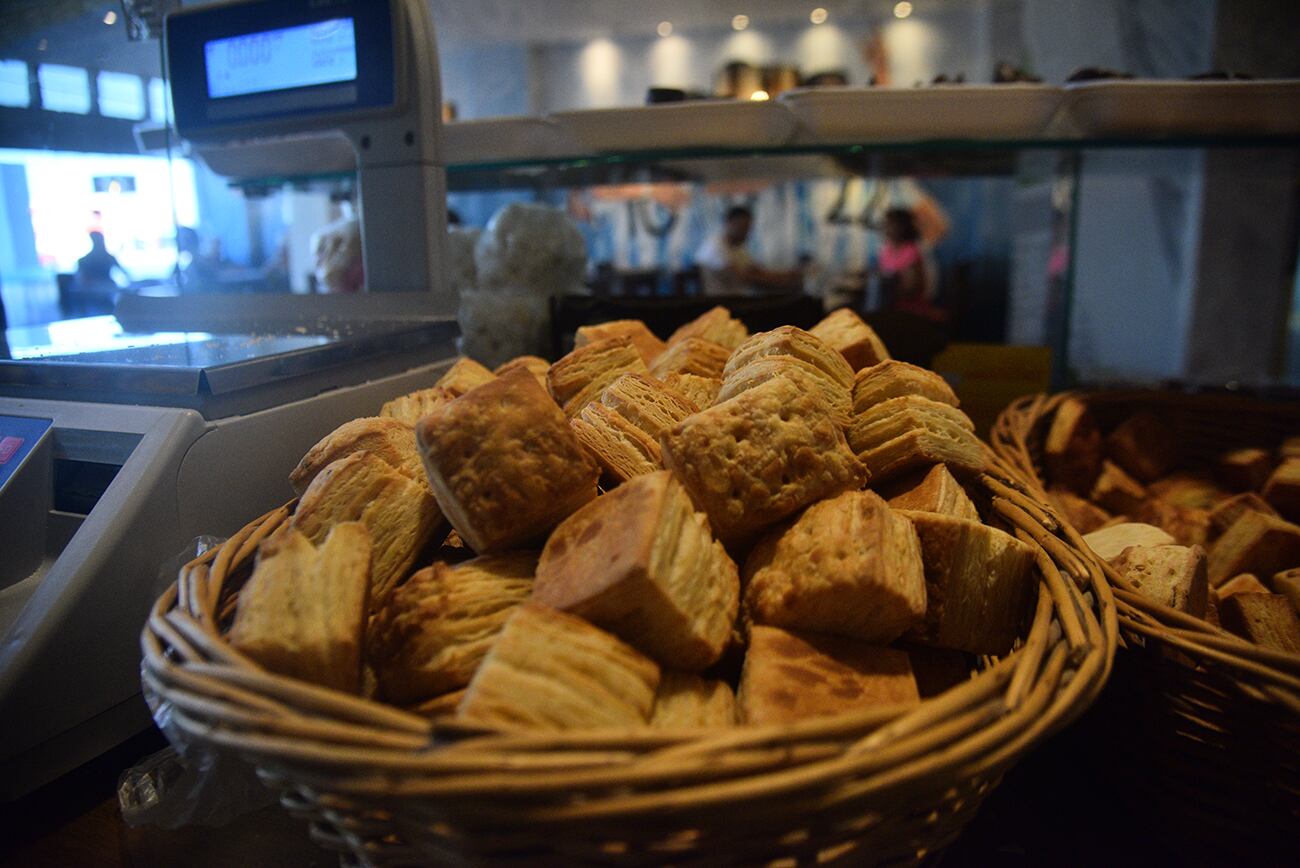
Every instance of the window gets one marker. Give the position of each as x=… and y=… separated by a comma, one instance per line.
x=120, y=95
x=14, y=89
x=64, y=88
x=158, y=97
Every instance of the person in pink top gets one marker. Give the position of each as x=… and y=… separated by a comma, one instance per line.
x=906, y=282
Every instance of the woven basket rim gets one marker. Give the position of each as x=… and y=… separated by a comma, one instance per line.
x=1264, y=673
x=323, y=739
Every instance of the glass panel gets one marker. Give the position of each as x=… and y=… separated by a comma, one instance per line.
x=64, y=88
x=158, y=97
x=15, y=91
x=120, y=95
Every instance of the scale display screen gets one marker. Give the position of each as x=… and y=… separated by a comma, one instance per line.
x=310, y=54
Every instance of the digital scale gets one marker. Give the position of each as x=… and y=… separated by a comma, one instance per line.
x=124, y=438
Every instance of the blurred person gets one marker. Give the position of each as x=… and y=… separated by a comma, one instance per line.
x=906, y=280
x=727, y=268
x=95, y=269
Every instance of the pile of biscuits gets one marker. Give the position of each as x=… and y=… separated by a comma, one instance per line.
x=1219, y=542
x=721, y=528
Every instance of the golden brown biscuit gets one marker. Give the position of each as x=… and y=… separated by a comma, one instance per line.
x=1255, y=543
x=1072, y=450
x=409, y=409
x=979, y=584
x=700, y=391
x=805, y=376
x=504, y=463
x=1188, y=526
x=691, y=702
x=893, y=379
x=1077, y=512
x=1246, y=583
x=760, y=457
x=551, y=670
x=858, y=342
x=791, y=341
x=641, y=563
x=1109, y=542
x=387, y=439
x=642, y=338
x=715, y=325
x=1172, y=576
x=432, y=632
x=692, y=356
x=646, y=403
x=848, y=566
x=936, y=491
x=789, y=677
x=1282, y=491
x=1289, y=448
x=1116, y=491
x=303, y=611
x=535, y=365
x=1227, y=512
x=620, y=448
x=1144, y=446
x=578, y=379
x=897, y=436
x=466, y=374
x=1244, y=469
x=400, y=515
x=1265, y=619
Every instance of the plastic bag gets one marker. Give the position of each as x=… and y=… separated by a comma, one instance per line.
x=187, y=783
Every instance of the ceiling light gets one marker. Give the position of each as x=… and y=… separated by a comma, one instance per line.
x=740, y=22
x=759, y=95
x=110, y=17
x=903, y=9
x=665, y=28
x=818, y=16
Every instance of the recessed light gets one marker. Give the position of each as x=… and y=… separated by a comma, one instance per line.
x=740, y=22
x=817, y=16
x=665, y=28
x=110, y=18
x=903, y=9
x=759, y=95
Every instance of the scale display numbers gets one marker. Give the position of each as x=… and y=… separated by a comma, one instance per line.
x=283, y=59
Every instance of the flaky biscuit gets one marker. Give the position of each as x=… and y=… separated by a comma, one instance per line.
x=894, y=379
x=578, y=379
x=716, y=325
x=464, y=375
x=410, y=408
x=805, y=375
x=646, y=403
x=692, y=356
x=687, y=701
x=645, y=341
x=700, y=391
x=858, y=342
x=791, y=341
x=620, y=448
x=535, y=365
x=389, y=440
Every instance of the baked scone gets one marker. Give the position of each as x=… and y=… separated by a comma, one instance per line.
x=1265, y=619
x=858, y=342
x=1116, y=491
x=535, y=365
x=1144, y=446
x=1173, y=576
x=690, y=702
x=410, y=408
x=1244, y=469
x=1289, y=448
x=1083, y=516
x=1190, y=490
x=464, y=375
x=979, y=584
x=1188, y=526
x=1255, y=543
x=645, y=341
x=620, y=448
x=1287, y=583
x=432, y=632
x=1228, y=511
x=791, y=341
x=646, y=403
x=936, y=491
x=303, y=611
x=700, y=391
x=504, y=463
x=400, y=515
x=1072, y=450
x=578, y=379
x=389, y=440
x=758, y=458
x=894, y=379
x=1282, y=491
x=848, y=566
x=1246, y=583
x=788, y=677
x=1108, y=542
x=641, y=563
x=692, y=356
x=897, y=436
x=715, y=325
x=806, y=376
x=551, y=670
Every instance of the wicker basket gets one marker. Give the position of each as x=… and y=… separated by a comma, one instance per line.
x=882, y=786
x=1204, y=726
